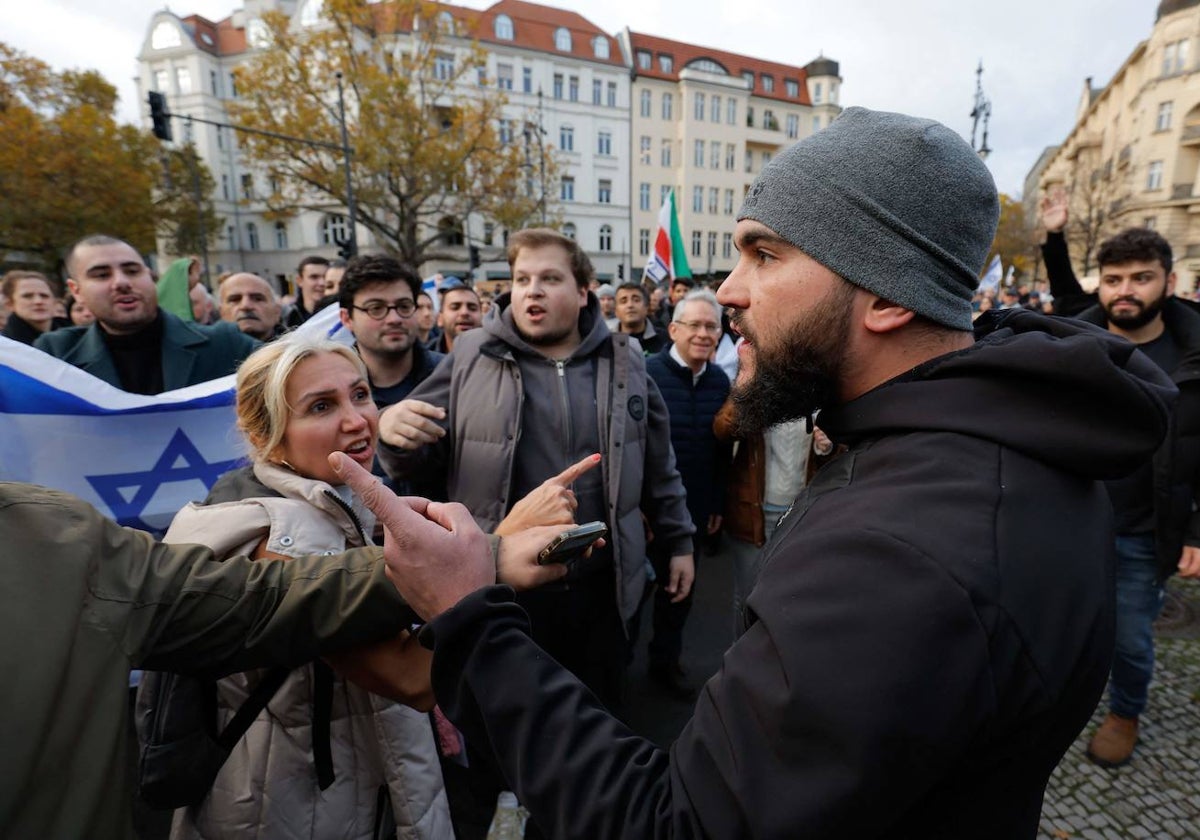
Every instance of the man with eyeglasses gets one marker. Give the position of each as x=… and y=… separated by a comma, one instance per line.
x=694, y=390
x=377, y=297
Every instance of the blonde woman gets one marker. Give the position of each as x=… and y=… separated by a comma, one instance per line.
x=326, y=758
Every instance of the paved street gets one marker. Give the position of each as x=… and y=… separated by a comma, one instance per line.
x=1156, y=796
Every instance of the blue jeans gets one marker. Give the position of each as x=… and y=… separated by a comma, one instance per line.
x=1139, y=600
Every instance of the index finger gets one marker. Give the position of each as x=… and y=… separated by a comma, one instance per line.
x=396, y=513
x=573, y=472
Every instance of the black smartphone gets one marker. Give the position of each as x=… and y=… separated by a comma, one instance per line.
x=570, y=545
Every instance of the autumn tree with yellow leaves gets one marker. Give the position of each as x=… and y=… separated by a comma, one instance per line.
x=68, y=169
x=423, y=120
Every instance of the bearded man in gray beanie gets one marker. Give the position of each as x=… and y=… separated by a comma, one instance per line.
x=931, y=626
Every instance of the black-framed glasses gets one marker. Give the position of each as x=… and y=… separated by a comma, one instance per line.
x=378, y=310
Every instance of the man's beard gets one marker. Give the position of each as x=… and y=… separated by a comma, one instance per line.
x=794, y=380
x=1140, y=317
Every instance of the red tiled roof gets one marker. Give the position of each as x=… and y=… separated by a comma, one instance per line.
x=220, y=38
x=682, y=54
x=534, y=26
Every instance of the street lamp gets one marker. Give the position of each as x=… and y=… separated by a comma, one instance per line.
x=981, y=112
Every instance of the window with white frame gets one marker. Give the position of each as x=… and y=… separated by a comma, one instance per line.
x=558, y=86
x=281, y=236
x=668, y=107
x=697, y=199
x=644, y=102
x=183, y=80
x=768, y=83
x=818, y=95
x=712, y=243
x=162, y=81
x=714, y=197
x=566, y=138
x=749, y=160
x=1163, y=121
x=1154, y=175
x=334, y=229
x=644, y=196
x=728, y=202
x=714, y=108
x=604, y=143
x=731, y=109
x=1175, y=56
x=443, y=67
x=643, y=241
x=793, y=126
x=597, y=91
x=612, y=95
x=816, y=124
x=697, y=243
x=698, y=106
x=730, y=156
x=567, y=191
x=665, y=63
x=792, y=87
x=605, y=238
x=727, y=245
x=665, y=153
x=247, y=186
x=562, y=39
x=663, y=192
x=503, y=28
x=600, y=46
x=714, y=154
x=1150, y=223
x=573, y=88
x=507, y=129
x=643, y=60
x=604, y=191
x=504, y=76
x=232, y=238
x=527, y=80
x=252, y=236
x=698, y=155
x=569, y=230
x=644, y=149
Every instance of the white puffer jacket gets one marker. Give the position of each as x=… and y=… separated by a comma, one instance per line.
x=268, y=787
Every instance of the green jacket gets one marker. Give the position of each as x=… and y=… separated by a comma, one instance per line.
x=87, y=600
x=191, y=353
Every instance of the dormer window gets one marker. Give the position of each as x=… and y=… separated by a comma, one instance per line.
x=600, y=46
x=562, y=39
x=446, y=22
x=643, y=60
x=503, y=28
x=665, y=63
x=165, y=36
x=748, y=76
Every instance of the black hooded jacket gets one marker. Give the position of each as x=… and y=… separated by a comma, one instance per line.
x=932, y=626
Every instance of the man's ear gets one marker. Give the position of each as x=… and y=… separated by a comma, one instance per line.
x=73, y=287
x=883, y=316
x=1171, y=283
x=344, y=316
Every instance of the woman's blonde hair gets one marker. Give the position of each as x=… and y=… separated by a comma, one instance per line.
x=262, y=408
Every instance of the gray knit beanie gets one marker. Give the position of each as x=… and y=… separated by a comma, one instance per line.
x=897, y=205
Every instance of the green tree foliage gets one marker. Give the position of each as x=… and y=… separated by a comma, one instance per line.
x=423, y=123
x=68, y=169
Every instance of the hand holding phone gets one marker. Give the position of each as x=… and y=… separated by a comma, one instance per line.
x=572, y=544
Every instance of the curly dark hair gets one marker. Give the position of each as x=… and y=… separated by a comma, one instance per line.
x=1137, y=243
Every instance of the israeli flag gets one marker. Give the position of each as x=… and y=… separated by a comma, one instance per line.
x=991, y=277
x=135, y=458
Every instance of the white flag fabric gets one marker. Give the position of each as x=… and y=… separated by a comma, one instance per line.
x=991, y=277
x=137, y=459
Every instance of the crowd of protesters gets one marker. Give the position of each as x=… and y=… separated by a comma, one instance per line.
x=922, y=610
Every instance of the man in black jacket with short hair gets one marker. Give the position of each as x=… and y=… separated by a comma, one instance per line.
x=1157, y=507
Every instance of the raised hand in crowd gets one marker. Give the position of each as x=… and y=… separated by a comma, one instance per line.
x=552, y=502
x=410, y=424
x=1054, y=210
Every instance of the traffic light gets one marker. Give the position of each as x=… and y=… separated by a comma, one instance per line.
x=346, y=250
x=621, y=271
x=160, y=116
x=475, y=260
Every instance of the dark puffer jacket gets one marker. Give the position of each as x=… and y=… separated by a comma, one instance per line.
x=699, y=456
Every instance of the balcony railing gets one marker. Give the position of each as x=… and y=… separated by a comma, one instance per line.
x=1181, y=191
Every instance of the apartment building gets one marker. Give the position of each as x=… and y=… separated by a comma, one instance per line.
x=1133, y=156
x=704, y=123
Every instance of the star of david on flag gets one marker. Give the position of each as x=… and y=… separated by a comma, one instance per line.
x=135, y=458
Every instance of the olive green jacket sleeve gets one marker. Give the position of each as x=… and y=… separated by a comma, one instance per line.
x=86, y=600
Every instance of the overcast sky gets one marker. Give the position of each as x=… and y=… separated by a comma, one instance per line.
x=915, y=56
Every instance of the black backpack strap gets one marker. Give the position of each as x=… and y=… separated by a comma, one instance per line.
x=322, y=713
x=255, y=703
